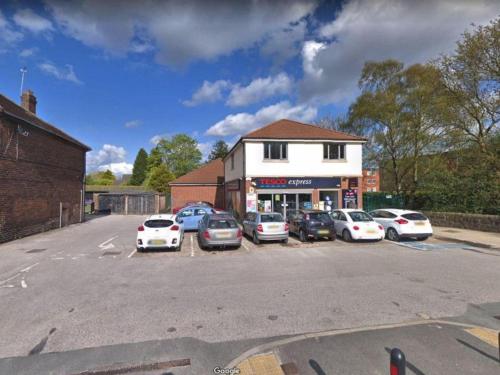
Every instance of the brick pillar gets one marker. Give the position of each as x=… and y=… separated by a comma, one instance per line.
x=315, y=198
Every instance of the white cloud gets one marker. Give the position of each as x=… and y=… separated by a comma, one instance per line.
x=118, y=169
x=284, y=44
x=259, y=89
x=209, y=92
x=31, y=21
x=205, y=148
x=181, y=30
x=66, y=74
x=28, y=52
x=109, y=157
x=133, y=124
x=243, y=122
x=410, y=31
x=8, y=36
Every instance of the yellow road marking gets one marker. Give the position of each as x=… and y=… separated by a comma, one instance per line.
x=489, y=336
x=261, y=364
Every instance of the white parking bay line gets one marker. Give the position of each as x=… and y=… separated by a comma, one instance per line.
x=192, y=247
x=244, y=246
x=132, y=253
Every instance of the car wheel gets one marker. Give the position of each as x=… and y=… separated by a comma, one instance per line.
x=139, y=249
x=332, y=238
x=392, y=234
x=255, y=239
x=302, y=236
x=422, y=238
x=346, y=235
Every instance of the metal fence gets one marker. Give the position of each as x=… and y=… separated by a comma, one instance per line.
x=128, y=204
x=373, y=201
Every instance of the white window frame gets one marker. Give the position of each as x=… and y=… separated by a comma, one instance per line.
x=330, y=144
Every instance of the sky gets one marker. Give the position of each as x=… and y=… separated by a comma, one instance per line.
x=119, y=75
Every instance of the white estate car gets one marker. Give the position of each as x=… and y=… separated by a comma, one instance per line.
x=403, y=224
x=355, y=224
x=160, y=231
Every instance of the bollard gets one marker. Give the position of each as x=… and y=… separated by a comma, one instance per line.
x=398, y=362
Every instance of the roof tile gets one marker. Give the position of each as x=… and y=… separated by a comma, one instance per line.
x=210, y=173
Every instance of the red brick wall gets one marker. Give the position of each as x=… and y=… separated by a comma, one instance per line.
x=368, y=185
x=182, y=194
x=37, y=174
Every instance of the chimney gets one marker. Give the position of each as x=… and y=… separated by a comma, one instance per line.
x=28, y=101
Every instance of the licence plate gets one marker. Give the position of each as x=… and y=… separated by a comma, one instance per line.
x=223, y=235
x=273, y=226
x=323, y=231
x=420, y=223
x=158, y=242
x=370, y=231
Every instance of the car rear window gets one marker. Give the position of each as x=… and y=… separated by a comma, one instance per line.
x=414, y=216
x=271, y=218
x=358, y=216
x=158, y=223
x=320, y=216
x=222, y=224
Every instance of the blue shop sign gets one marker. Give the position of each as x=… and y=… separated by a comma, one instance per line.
x=296, y=182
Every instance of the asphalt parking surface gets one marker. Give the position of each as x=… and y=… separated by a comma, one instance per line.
x=84, y=286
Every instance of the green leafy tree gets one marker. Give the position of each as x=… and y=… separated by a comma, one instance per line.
x=101, y=178
x=180, y=153
x=140, y=168
x=219, y=150
x=159, y=177
x=472, y=79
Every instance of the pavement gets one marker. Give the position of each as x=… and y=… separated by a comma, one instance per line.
x=80, y=298
x=489, y=240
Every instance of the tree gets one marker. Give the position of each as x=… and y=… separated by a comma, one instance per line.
x=159, y=177
x=140, y=168
x=219, y=150
x=101, y=178
x=180, y=153
x=471, y=77
x=154, y=158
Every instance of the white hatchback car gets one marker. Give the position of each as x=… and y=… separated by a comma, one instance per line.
x=160, y=231
x=400, y=224
x=355, y=224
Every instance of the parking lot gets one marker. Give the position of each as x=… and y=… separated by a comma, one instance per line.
x=85, y=286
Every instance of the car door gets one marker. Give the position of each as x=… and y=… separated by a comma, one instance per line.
x=198, y=214
x=188, y=219
x=296, y=219
x=247, y=223
x=342, y=223
x=337, y=224
x=385, y=218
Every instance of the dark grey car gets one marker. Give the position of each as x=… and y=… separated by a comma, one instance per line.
x=219, y=230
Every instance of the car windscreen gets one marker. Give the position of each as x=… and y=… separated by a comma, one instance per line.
x=271, y=218
x=158, y=223
x=414, y=216
x=222, y=224
x=358, y=216
x=320, y=216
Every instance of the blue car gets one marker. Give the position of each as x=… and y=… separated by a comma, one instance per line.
x=191, y=215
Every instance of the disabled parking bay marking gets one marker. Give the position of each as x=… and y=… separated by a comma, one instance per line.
x=489, y=336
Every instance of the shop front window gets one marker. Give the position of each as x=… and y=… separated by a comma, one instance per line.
x=265, y=203
x=305, y=202
x=328, y=200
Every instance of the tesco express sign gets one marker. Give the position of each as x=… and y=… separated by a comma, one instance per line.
x=296, y=182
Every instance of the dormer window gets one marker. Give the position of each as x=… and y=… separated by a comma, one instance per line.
x=275, y=150
x=334, y=151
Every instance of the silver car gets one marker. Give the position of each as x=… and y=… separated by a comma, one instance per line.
x=219, y=230
x=265, y=226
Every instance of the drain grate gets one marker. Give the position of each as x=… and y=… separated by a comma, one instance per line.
x=118, y=370
x=111, y=253
x=35, y=251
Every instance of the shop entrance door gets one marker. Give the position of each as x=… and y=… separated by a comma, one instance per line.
x=284, y=203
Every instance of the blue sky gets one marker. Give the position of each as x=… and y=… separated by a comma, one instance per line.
x=118, y=75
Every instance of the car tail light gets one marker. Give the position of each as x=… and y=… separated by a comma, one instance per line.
x=380, y=227
x=240, y=233
x=174, y=227
x=401, y=221
x=206, y=234
x=286, y=227
x=141, y=228
x=259, y=228
x=355, y=227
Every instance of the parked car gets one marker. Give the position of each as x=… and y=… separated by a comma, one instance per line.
x=160, y=231
x=265, y=226
x=354, y=224
x=199, y=203
x=191, y=215
x=400, y=224
x=219, y=230
x=311, y=224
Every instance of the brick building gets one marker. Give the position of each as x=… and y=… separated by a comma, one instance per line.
x=203, y=184
x=42, y=172
x=371, y=180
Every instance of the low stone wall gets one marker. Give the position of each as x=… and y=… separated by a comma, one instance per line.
x=487, y=223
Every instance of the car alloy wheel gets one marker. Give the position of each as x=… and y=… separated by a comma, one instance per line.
x=346, y=235
x=255, y=239
x=392, y=234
